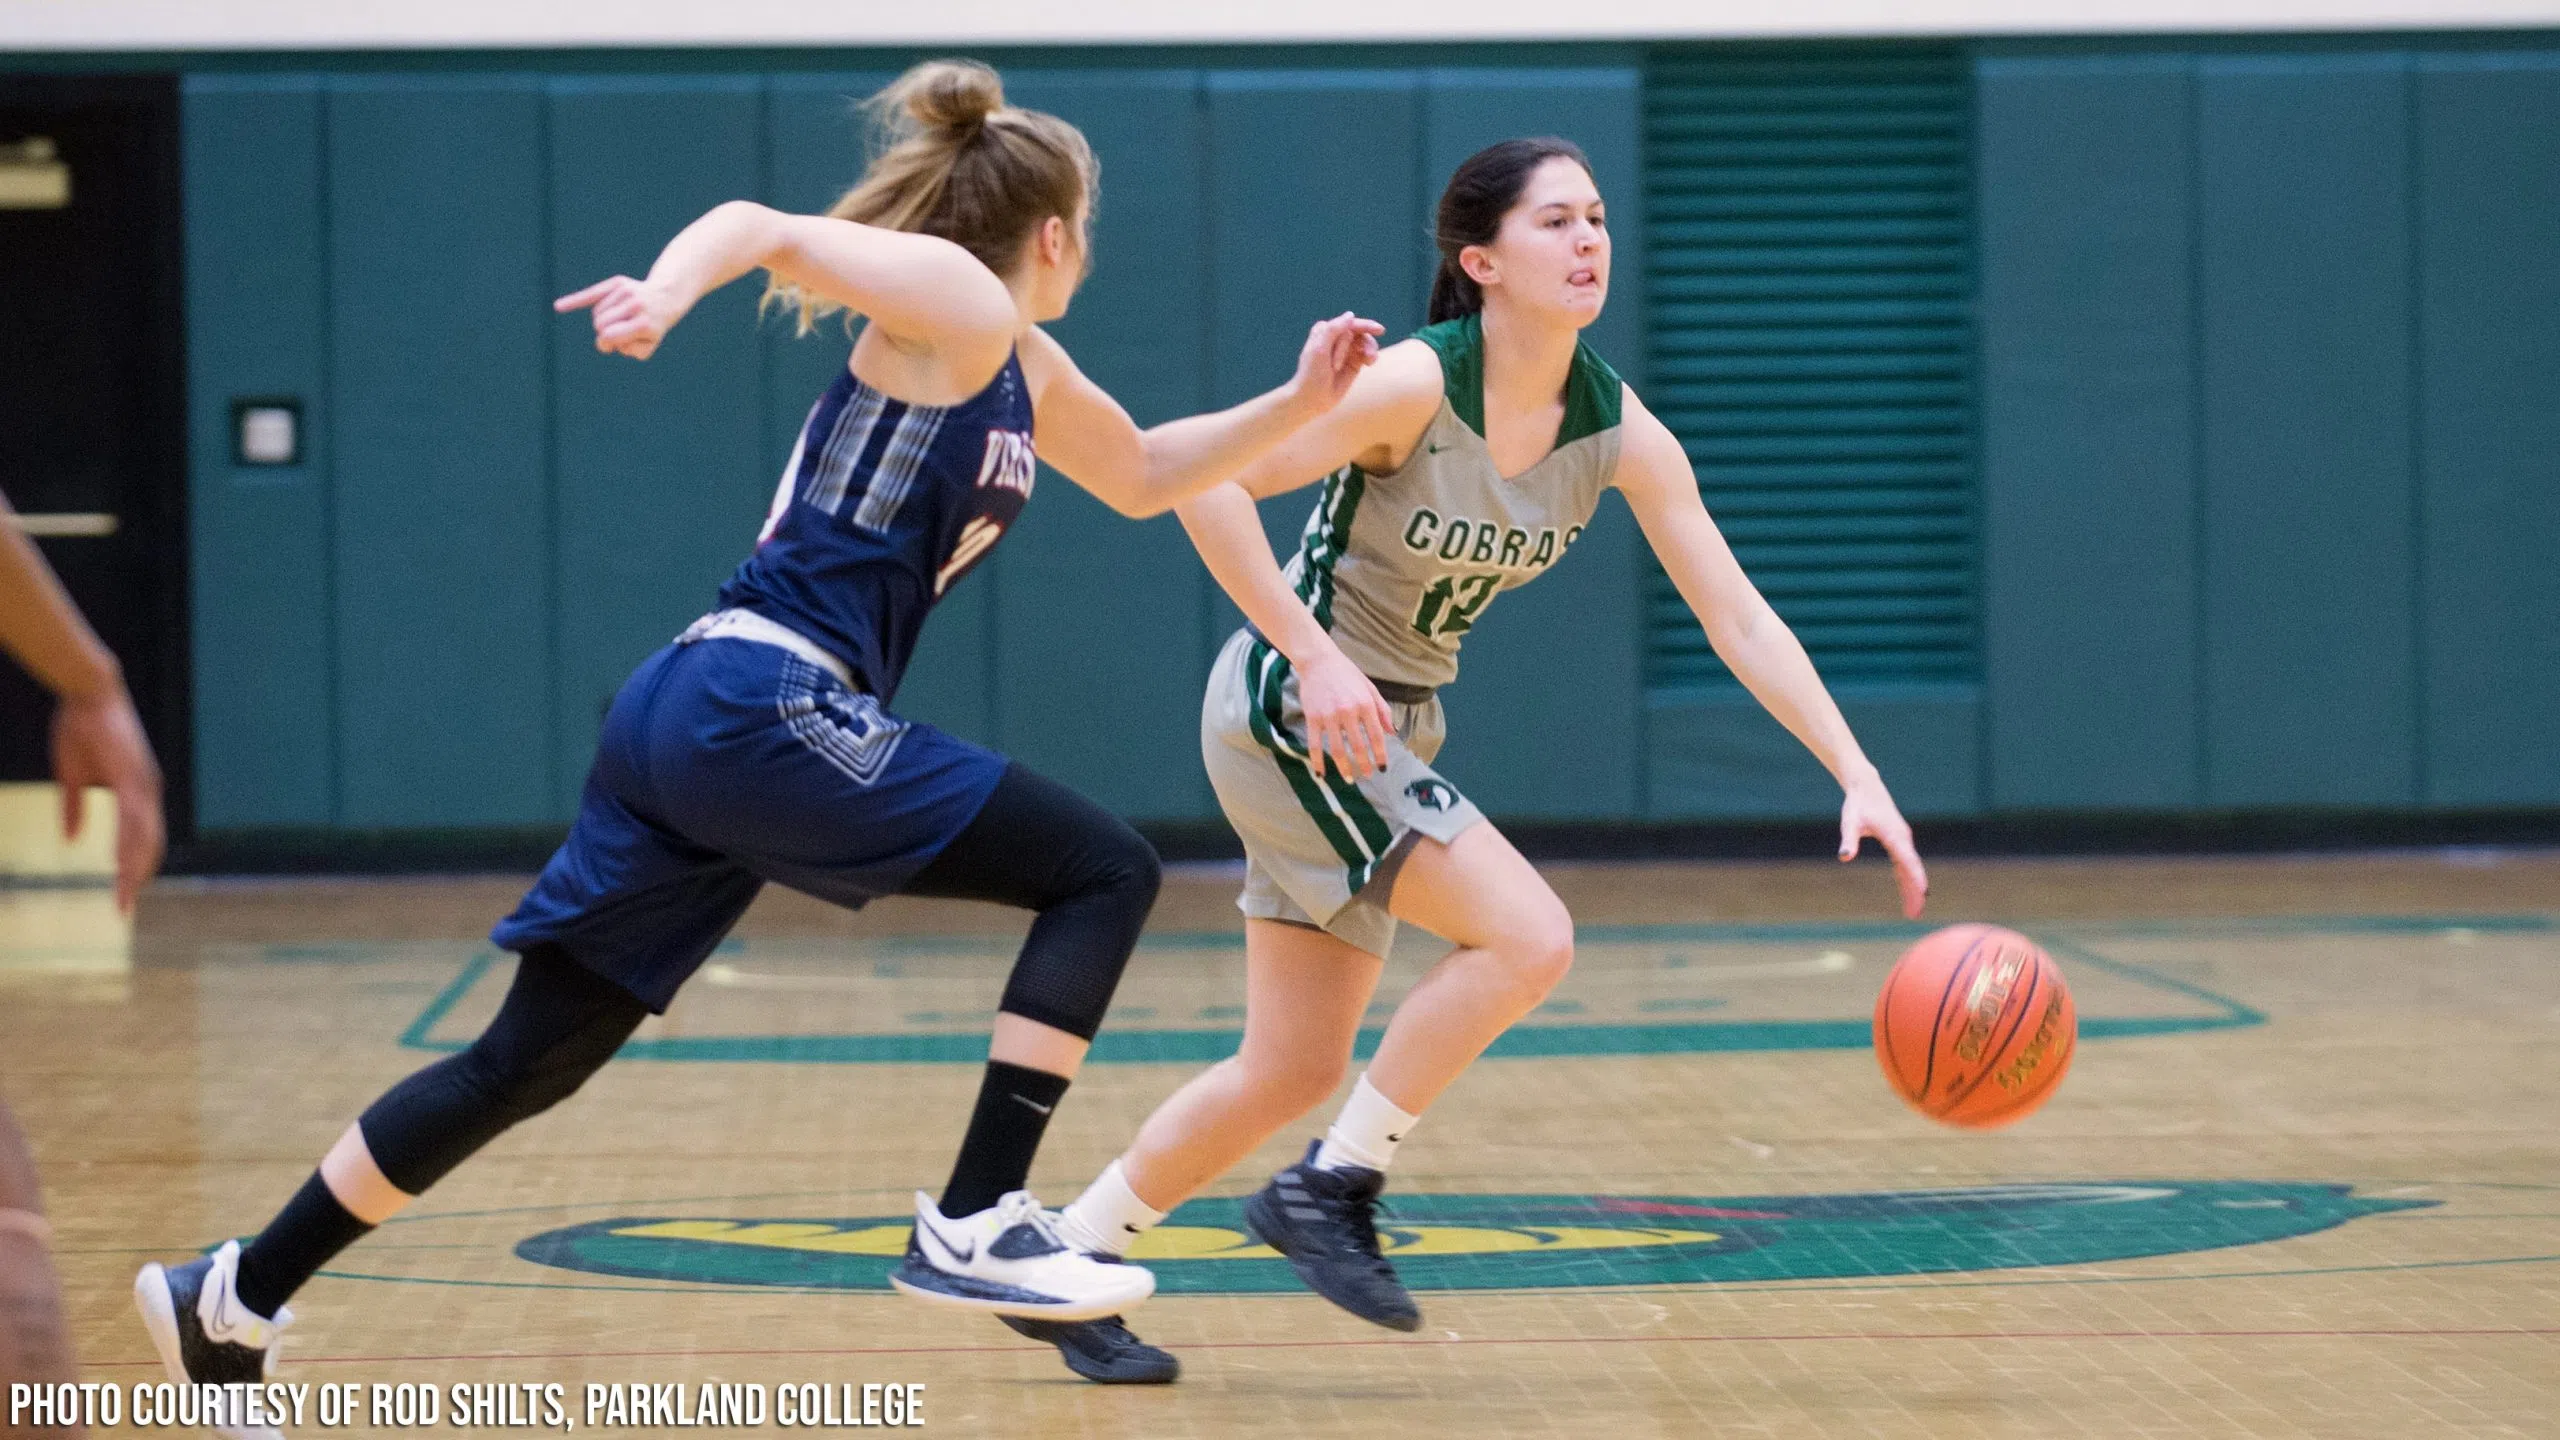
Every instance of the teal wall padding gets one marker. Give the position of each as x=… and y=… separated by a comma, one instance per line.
x=1347, y=237
x=813, y=151
x=1810, y=242
x=440, y=352
x=2309, y=554
x=2267, y=407
x=1099, y=620
x=2271, y=408
x=658, y=481
x=1811, y=247
x=512, y=520
x=1719, y=756
x=257, y=323
x=1295, y=232
x=1547, y=716
x=2488, y=203
x=2090, y=592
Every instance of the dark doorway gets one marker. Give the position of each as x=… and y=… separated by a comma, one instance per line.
x=92, y=387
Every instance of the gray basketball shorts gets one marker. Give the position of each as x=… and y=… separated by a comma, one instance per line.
x=1313, y=845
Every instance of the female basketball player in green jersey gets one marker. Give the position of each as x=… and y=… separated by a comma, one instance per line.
x=1464, y=462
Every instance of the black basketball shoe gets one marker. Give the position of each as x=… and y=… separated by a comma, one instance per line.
x=1325, y=1224
x=205, y=1336
x=1102, y=1351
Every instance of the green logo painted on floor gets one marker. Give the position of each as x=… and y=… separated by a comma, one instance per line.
x=1501, y=1242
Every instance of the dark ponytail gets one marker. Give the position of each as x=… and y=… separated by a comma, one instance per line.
x=1480, y=192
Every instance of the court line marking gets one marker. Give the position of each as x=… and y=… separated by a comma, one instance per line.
x=415, y=1037
x=413, y=1219
x=1864, y=1337
x=1636, y=1181
x=1196, y=1046
x=1883, y=1283
x=2440, y=1215
x=2196, y=927
x=2234, y=1014
x=730, y=977
x=1917, y=1283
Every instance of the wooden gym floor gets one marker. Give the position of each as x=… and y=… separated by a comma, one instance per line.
x=2303, y=1180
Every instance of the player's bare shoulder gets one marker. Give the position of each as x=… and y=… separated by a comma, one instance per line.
x=1044, y=360
x=1406, y=378
x=1648, y=453
x=1393, y=403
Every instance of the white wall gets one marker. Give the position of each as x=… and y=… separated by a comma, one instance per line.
x=344, y=24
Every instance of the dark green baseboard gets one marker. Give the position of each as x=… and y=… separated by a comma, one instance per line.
x=2220, y=832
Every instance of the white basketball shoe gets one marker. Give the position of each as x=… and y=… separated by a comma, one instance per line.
x=1009, y=1260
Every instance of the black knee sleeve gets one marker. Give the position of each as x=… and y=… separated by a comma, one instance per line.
x=559, y=1024
x=1072, y=961
x=1041, y=846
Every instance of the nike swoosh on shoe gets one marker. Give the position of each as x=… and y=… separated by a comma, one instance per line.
x=958, y=1255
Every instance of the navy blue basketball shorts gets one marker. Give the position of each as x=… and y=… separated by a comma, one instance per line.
x=723, y=764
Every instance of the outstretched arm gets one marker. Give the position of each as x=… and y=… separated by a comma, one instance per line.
x=1189, y=462
x=1757, y=646
x=920, y=289
x=97, y=738
x=1385, y=412
x=1083, y=431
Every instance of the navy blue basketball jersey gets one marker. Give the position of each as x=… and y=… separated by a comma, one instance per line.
x=884, y=507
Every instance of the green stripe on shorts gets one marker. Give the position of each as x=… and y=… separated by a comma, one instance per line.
x=1373, y=826
x=1266, y=671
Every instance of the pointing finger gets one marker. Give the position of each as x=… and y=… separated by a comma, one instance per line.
x=579, y=300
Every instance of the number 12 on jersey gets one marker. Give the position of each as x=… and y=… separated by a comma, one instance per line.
x=1449, y=607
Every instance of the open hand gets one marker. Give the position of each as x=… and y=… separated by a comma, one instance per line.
x=631, y=316
x=1337, y=350
x=1346, y=717
x=98, y=740
x=1868, y=809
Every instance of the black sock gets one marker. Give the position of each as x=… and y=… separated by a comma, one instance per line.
x=311, y=1229
x=1004, y=1133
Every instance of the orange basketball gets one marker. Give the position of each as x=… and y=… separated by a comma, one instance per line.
x=1975, y=1026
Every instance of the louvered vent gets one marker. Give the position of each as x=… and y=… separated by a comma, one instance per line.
x=1809, y=243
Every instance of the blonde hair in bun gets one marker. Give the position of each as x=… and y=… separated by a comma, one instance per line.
x=955, y=96
x=953, y=159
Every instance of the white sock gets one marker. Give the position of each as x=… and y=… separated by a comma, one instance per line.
x=1367, y=1131
x=1108, y=1216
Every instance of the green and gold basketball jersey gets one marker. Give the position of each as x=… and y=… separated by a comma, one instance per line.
x=1399, y=567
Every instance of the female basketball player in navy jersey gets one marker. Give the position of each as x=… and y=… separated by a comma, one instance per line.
x=761, y=745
